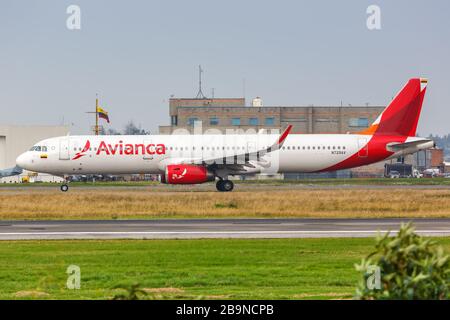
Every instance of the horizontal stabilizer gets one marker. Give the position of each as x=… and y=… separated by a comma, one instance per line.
x=402, y=146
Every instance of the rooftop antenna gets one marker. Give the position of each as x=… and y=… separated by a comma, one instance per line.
x=243, y=88
x=200, y=94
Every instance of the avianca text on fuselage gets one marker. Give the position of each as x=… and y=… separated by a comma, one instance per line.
x=122, y=148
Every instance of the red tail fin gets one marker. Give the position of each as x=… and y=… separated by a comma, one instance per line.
x=402, y=114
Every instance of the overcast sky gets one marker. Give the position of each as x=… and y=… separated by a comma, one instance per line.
x=135, y=54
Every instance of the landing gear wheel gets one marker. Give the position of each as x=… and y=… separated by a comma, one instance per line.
x=219, y=186
x=224, y=185
x=227, y=185
x=64, y=188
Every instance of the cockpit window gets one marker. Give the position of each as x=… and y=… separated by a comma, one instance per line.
x=39, y=148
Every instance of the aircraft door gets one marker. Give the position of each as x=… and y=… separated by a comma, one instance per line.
x=363, y=148
x=64, y=152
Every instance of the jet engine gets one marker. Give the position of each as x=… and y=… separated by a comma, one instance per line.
x=186, y=174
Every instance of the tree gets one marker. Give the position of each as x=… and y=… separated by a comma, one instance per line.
x=129, y=129
x=132, y=129
x=112, y=132
x=410, y=267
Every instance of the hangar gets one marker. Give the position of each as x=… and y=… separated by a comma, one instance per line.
x=15, y=139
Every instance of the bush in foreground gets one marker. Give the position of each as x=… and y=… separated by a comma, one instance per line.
x=406, y=266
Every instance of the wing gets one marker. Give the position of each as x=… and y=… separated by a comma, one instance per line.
x=234, y=162
x=243, y=159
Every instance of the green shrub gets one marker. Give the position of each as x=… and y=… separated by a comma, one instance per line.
x=410, y=267
x=230, y=205
x=130, y=292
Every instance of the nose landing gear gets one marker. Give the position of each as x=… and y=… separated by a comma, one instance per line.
x=64, y=187
x=224, y=185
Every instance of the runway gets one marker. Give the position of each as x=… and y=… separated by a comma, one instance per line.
x=213, y=228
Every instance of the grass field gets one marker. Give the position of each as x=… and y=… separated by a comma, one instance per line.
x=200, y=202
x=190, y=269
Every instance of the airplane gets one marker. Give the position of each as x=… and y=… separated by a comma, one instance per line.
x=195, y=159
x=11, y=172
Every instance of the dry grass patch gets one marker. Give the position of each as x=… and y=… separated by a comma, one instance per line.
x=335, y=295
x=31, y=294
x=143, y=203
x=163, y=290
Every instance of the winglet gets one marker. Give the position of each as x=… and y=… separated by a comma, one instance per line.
x=284, y=135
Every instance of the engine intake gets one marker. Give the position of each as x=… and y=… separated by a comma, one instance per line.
x=186, y=174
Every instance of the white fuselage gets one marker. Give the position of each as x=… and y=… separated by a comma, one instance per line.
x=75, y=155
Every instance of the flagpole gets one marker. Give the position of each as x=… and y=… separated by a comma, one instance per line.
x=96, y=115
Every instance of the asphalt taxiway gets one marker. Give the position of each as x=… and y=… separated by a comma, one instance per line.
x=213, y=228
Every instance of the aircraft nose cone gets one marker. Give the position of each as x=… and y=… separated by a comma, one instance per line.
x=23, y=160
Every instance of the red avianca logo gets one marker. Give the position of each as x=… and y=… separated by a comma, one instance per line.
x=122, y=148
x=80, y=154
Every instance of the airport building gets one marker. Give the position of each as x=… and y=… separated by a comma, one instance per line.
x=15, y=140
x=232, y=113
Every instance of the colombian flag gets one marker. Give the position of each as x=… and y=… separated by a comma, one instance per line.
x=102, y=114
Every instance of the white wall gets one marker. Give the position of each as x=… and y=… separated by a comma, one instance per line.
x=18, y=139
x=15, y=140
x=42, y=177
x=2, y=151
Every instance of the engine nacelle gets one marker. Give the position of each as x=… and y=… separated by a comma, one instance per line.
x=186, y=174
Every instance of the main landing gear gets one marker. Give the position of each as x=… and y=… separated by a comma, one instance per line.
x=224, y=185
x=64, y=187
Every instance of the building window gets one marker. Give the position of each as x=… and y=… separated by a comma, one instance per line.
x=358, y=122
x=270, y=121
x=174, y=120
x=214, y=121
x=253, y=121
x=235, y=121
x=191, y=121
